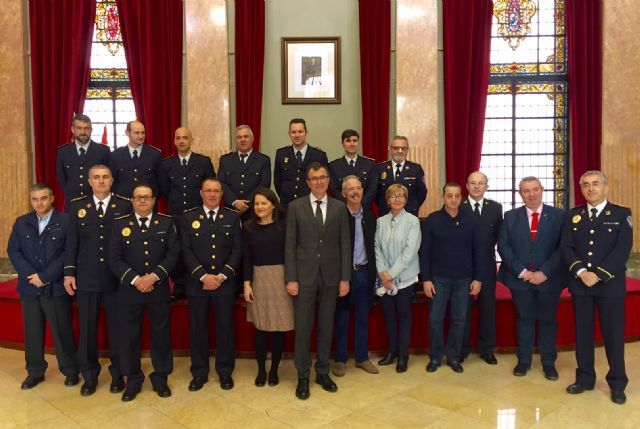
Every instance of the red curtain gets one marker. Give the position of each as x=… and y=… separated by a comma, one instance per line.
x=467, y=41
x=249, y=64
x=584, y=49
x=60, y=55
x=152, y=37
x=375, y=73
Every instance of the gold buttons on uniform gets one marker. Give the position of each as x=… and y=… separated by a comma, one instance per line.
x=589, y=264
x=146, y=252
x=213, y=256
x=213, y=267
x=590, y=253
x=591, y=231
x=146, y=242
x=213, y=246
x=146, y=264
x=591, y=243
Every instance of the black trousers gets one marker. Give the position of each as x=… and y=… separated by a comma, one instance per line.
x=223, y=309
x=88, y=317
x=486, y=303
x=397, y=319
x=57, y=310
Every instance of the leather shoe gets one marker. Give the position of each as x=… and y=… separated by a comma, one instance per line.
x=489, y=358
x=197, y=382
x=117, y=385
x=163, y=391
x=338, y=369
x=326, y=382
x=550, y=372
x=130, y=394
x=618, y=396
x=30, y=382
x=88, y=388
x=302, y=389
x=226, y=382
x=388, y=359
x=401, y=365
x=456, y=367
x=433, y=366
x=520, y=370
x=71, y=380
x=577, y=388
x=272, y=378
x=261, y=379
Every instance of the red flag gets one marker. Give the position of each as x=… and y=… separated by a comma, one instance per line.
x=104, y=135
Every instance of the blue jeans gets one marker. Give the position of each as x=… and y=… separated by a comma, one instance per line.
x=360, y=297
x=455, y=291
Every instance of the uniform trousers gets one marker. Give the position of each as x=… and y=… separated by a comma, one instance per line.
x=486, y=303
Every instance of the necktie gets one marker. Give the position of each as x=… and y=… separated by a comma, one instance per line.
x=534, y=225
x=594, y=214
x=135, y=154
x=476, y=209
x=243, y=158
x=299, y=158
x=352, y=163
x=319, y=213
x=100, y=210
x=398, y=169
x=212, y=215
x=143, y=223
x=184, y=162
x=82, y=152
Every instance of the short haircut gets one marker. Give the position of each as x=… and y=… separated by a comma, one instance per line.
x=486, y=179
x=598, y=173
x=210, y=179
x=131, y=123
x=143, y=185
x=298, y=121
x=348, y=133
x=244, y=127
x=315, y=166
x=100, y=167
x=529, y=179
x=81, y=118
x=395, y=188
x=451, y=185
x=398, y=137
x=40, y=186
x=350, y=177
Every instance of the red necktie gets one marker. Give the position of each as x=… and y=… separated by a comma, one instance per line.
x=534, y=225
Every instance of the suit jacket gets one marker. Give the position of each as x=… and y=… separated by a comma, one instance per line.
x=491, y=220
x=364, y=168
x=211, y=249
x=31, y=252
x=368, y=223
x=518, y=251
x=86, y=250
x=73, y=173
x=601, y=246
x=241, y=179
x=289, y=180
x=412, y=177
x=181, y=185
x=127, y=173
x=310, y=250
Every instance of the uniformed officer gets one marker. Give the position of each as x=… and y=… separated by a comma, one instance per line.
x=87, y=274
x=242, y=172
x=596, y=243
x=135, y=163
x=407, y=173
x=353, y=164
x=74, y=159
x=143, y=249
x=290, y=169
x=36, y=250
x=212, y=250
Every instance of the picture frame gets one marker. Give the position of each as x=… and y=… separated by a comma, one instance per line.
x=311, y=70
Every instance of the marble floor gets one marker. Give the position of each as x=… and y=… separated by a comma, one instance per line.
x=482, y=397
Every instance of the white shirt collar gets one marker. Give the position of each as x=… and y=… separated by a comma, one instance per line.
x=313, y=199
x=599, y=207
x=105, y=202
x=355, y=158
x=303, y=150
x=473, y=203
x=148, y=218
x=207, y=210
x=184, y=157
x=530, y=212
x=83, y=146
x=131, y=149
x=394, y=164
x=245, y=153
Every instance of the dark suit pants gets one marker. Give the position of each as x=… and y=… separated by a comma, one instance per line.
x=360, y=298
x=57, y=310
x=611, y=314
x=223, y=309
x=131, y=316
x=88, y=316
x=310, y=295
x=486, y=302
x=531, y=305
x=397, y=319
x=454, y=292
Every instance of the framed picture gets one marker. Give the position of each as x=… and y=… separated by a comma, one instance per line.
x=310, y=70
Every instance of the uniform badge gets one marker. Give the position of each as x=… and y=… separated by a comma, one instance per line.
x=155, y=222
x=131, y=223
x=82, y=213
x=126, y=232
x=89, y=205
x=286, y=159
x=195, y=224
x=630, y=221
x=607, y=213
x=221, y=216
x=576, y=218
x=383, y=175
x=113, y=206
x=201, y=217
x=406, y=167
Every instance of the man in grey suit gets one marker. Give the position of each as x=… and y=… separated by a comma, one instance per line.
x=317, y=265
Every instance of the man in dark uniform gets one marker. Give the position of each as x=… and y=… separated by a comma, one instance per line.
x=290, y=169
x=490, y=214
x=353, y=164
x=242, y=172
x=596, y=242
x=135, y=163
x=36, y=250
x=407, y=173
x=212, y=250
x=87, y=274
x=143, y=249
x=74, y=160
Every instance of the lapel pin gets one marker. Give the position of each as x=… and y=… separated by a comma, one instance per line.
x=82, y=213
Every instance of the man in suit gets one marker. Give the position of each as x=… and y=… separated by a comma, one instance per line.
x=292, y=162
x=490, y=214
x=353, y=164
x=74, y=160
x=362, y=228
x=399, y=170
x=212, y=249
x=87, y=274
x=135, y=163
x=596, y=242
x=242, y=172
x=143, y=249
x=529, y=245
x=36, y=250
x=317, y=268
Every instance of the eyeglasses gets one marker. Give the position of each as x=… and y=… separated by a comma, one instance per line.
x=140, y=198
x=318, y=178
x=400, y=148
x=477, y=183
x=397, y=197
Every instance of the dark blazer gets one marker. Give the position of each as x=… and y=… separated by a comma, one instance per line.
x=369, y=232
x=289, y=180
x=241, y=179
x=211, y=249
x=601, y=246
x=364, y=168
x=412, y=177
x=31, y=252
x=127, y=173
x=181, y=185
x=86, y=250
x=491, y=220
x=73, y=173
x=518, y=251
x=311, y=251
x=133, y=252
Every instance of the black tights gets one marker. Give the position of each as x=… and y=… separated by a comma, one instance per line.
x=277, y=348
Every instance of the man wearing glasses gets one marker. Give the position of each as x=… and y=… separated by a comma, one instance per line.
x=399, y=170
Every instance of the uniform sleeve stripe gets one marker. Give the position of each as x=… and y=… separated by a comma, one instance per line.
x=234, y=271
x=574, y=264
x=125, y=273
x=196, y=269
x=163, y=269
x=606, y=272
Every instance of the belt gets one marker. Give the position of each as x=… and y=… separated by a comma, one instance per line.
x=357, y=267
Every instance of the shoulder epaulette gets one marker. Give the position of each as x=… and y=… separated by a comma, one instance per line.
x=166, y=157
x=368, y=157
x=121, y=197
x=148, y=145
x=164, y=215
x=64, y=144
x=81, y=197
x=122, y=217
x=191, y=209
x=231, y=210
x=383, y=162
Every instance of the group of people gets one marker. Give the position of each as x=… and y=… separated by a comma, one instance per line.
x=310, y=252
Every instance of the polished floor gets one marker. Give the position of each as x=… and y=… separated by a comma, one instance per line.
x=482, y=397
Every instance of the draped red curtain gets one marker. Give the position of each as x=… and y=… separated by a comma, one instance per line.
x=584, y=58
x=152, y=37
x=467, y=42
x=60, y=55
x=375, y=73
x=249, y=64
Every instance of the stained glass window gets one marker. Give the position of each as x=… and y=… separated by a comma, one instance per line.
x=108, y=102
x=527, y=113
